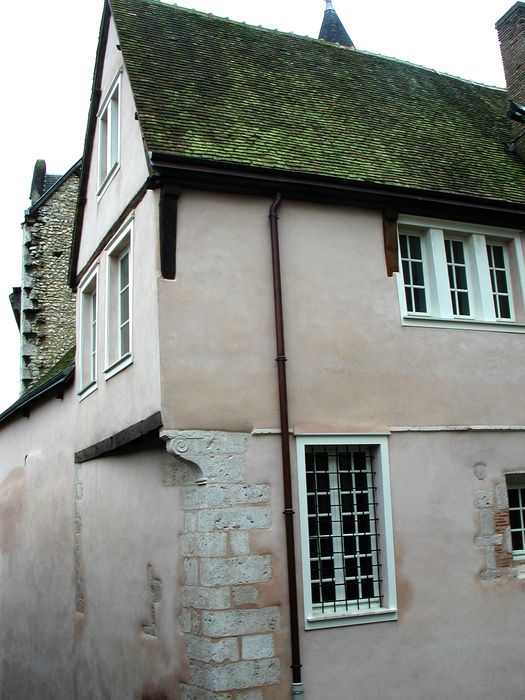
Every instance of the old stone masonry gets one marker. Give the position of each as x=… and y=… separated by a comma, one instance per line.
x=230, y=640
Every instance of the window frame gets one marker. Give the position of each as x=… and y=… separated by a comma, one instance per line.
x=109, y=132
x=88, y=288
x=515, y=481
x=388, y=611
x=119, y=246
x=433, y=233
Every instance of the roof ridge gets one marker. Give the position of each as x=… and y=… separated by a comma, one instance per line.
x=307, y=37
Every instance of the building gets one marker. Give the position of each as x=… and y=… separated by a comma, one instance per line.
x=300, y=287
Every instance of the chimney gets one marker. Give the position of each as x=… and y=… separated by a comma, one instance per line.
x=511, y=33
x=37, y=184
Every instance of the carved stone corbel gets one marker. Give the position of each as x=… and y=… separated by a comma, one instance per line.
x=187, y=451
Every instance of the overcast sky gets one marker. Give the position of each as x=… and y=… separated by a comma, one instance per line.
x=47, y=54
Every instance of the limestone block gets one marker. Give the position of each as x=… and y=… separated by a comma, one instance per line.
x=251, y=493
x=191, y=571
x=228, y=469
x=204, y=597
x=229, y=623
x=483, y=499
x=190, y=621
x=247, y=518
x=244, y=595
x=212, y=544
x=489, y=541
x=240, y=543
x=502, y=499
x=205, y=649
x=242, y=674
x=258, y=646
x=190, y=522
x=480, y=470
x=486, y=521
x=191, y=693
x=249, y=695
x=236, y=570
x=209, y=496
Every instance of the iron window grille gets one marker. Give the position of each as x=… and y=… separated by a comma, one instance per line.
x=346, y=529
x=342, y=522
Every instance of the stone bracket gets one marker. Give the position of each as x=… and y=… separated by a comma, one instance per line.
x=187, y=451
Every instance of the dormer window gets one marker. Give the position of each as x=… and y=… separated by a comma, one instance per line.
x=109, y=136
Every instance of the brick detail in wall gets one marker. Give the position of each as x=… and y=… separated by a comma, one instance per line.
x=47, y=323
x=229, y=635
x=493, y=536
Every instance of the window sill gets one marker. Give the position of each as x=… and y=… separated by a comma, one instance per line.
x=362, y=617
x=107, y=181
x=117, y=366
x=85, y=391
x=463, y=324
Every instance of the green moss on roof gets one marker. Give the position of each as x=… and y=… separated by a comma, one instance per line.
x=65, y=361
x=218, y=90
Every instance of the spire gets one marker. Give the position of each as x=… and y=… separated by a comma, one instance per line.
x=332, y=28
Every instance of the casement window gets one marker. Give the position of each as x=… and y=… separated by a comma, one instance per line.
x=88, y=292
x=346, y=530
x=516, y=497
x=457, y=275
x=109, y=135
x=119, y=301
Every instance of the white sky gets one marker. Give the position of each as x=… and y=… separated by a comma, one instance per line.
x=47, y=54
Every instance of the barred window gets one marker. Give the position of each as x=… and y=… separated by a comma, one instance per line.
x=516, y=495
x=347, y=552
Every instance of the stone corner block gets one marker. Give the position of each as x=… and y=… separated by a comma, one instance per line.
x=483, y=499
x=231, y=623
x=490, y=574
x=236, y=570
x=258, y=646
x=189, y=692
x=238, y=675
x=502, y=498
x=203, y=544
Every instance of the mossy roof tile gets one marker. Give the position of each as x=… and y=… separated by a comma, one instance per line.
x=218, y=90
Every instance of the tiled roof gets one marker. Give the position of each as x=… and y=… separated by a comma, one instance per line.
x=218, y=90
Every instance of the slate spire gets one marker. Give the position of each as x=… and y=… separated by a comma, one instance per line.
x=332, y=28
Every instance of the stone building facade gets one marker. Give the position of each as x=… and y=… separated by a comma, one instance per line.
x=47, y=304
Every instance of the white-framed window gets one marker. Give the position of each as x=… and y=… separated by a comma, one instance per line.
x=346, y=530
x=516, y=498
x=119, y=290
x=88, y=325
x=459, y=275
x=108, y=120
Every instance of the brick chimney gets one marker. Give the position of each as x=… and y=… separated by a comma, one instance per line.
x=511, y=32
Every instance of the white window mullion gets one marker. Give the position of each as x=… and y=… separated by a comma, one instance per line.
x=439, y=283
x=482, y=291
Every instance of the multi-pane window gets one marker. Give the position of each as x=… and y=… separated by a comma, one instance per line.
x=342, y=523
x=457, y=277
x=109, y=134
x=516, y=495
x=453, y=273
x=499, y=280
x=413, y=272
x=123, y=305
x=346, y=530
x=119, y=301
x=88, y=331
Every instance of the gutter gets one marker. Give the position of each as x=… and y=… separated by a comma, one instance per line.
x=56, y=383
x=297, y=686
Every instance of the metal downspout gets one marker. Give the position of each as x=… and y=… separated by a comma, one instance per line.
x=297, y=687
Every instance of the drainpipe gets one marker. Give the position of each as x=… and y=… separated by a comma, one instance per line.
x=297, y=686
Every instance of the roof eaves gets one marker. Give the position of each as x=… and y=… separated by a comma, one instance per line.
x=62, y=379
